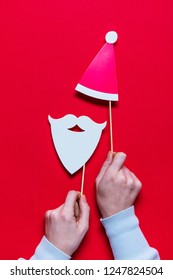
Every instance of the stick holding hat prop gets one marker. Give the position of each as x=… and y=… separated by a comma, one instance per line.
x=100, y=79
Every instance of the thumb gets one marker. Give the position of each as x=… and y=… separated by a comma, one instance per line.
x=70, y=203
x=105, y=166
x=84, y=212
x=118, y=161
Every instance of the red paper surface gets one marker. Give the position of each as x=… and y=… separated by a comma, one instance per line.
x=45, y=48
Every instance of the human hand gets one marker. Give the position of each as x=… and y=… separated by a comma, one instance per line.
x=66, y=226
x=116, y=186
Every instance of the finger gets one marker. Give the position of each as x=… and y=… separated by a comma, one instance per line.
x=70, y=201
x=118, y=161
x=47, y=214
x=127, y=171
x=105, y=166
x=122, y=174
x=56, y=210
x=136, y=180
x=84, y=212
x=76, y=210
x=129, y=177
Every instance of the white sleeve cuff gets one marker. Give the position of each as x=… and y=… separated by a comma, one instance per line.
x=126, y=238
x=47, y=251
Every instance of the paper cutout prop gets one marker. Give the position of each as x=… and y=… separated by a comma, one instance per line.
x=100, y=79
x=75, y=148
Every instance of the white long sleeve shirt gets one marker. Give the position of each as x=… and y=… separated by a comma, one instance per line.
x=125, y=236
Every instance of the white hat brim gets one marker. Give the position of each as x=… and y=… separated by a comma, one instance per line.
x=97, y=94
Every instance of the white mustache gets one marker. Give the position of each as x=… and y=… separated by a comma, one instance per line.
x=70, y=121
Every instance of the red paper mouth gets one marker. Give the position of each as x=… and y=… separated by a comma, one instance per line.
x=76, y=128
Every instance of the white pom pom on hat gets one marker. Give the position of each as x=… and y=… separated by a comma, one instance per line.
x=111, y=37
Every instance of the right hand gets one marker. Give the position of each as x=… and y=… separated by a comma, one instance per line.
x=66, y=226
x=116, y=186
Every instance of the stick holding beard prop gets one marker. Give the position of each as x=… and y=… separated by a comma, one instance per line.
x=74, y=148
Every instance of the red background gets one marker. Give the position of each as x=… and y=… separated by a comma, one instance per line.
x=45, y=48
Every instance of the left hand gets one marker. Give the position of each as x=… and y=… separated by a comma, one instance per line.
x=66, y=226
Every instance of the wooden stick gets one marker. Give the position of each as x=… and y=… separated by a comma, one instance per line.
x=110, y=122
x=83, y=176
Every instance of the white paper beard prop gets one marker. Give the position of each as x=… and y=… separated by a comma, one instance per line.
x=75, y=148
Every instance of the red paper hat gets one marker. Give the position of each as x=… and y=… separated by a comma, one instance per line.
x=100, y=79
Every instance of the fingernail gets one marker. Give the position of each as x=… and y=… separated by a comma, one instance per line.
x=121, y=154
x=84, y=198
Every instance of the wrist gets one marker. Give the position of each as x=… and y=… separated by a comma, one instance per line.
x=47, y=251
x=60, y=245
x=111, y=211
x=120, y=215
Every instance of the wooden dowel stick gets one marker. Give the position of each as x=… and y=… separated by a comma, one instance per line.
x=110, y=122
x=83, y=176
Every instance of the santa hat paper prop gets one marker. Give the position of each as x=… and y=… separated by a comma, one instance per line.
x=100, y=79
